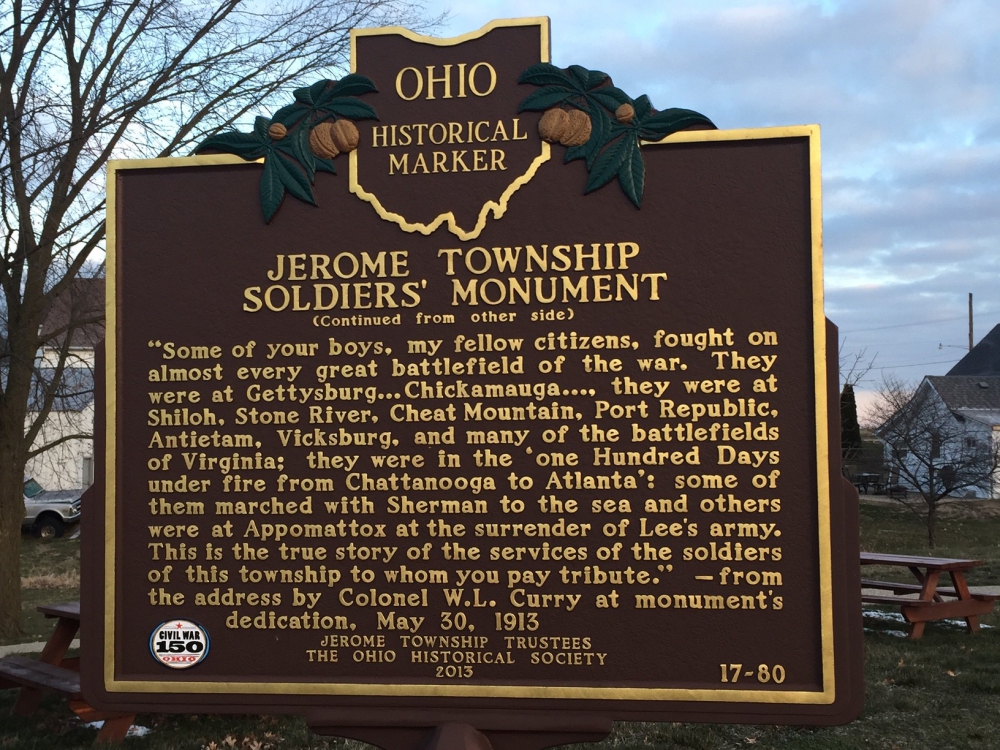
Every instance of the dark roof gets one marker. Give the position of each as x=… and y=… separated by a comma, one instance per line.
x=81, y=302
x=967, y=392
x=984, y=359
x=966, y=397
x=73, y=393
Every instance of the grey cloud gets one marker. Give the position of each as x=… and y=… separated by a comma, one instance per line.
x=907, y=97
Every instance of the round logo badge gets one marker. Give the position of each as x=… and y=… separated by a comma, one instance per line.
x=179, y=644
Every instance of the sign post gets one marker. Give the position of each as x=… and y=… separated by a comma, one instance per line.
x=472, y=393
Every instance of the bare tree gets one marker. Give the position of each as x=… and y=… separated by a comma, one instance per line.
x=85, y=81
x=931, y=448
x=854, y=366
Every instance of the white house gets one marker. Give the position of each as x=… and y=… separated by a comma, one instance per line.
x=72, y=326
x=947, y=436
x=952, y=424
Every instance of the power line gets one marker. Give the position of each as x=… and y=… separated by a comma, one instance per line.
x=906, y=325
x=915, y=364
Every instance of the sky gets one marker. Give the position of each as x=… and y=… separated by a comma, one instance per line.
x=907, y=95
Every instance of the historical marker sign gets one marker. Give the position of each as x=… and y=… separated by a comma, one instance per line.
x=475, y=429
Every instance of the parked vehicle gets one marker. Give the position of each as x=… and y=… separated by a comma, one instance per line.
x=48, y=512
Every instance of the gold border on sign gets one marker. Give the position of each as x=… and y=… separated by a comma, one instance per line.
x=801, y=697
x=110, y=413
x=498, y=207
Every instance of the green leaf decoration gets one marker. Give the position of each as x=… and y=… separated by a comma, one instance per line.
x=610, y=98
x=578, y=152
x=318, y=90
x=289, y=163
x=614, y=148
x=245, y=145
x=272, y=191
x=579, y=85
x=322, y=92
x=588, y=79
x=349, y=108
x=290, y=114
x=632, y=173
x=643, y=107
x=599, y=129
x=662, y=124
x=260, y=126
x=607, y=165
x=544, y=98
x=309, y=94
x=353, y=85
x=325, y=165
x=298, y=146
x=294, y=178
x=543, y=74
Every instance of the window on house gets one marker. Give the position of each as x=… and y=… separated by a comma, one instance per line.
x=88, y=471
x=971, y=442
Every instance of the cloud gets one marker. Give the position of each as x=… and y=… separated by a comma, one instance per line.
x=906, y=94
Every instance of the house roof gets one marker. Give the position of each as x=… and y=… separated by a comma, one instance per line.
x=967, y=392
x=974, y=397
x=983, y=359
x=988, y=417
x=82, y=302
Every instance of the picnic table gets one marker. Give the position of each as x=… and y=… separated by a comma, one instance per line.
x=52, y=671
x=866, y=482
x=932, y=602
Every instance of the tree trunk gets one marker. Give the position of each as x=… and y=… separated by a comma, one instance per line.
x=11, y=515
x=931, y=520
x=22, y=346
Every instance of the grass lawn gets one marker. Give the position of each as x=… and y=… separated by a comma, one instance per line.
x=50, y=572
x=938, y=693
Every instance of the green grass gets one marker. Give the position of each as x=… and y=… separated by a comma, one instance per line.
x=50, y=572
x=939, y=693
x=54, y=726
x=964, y=529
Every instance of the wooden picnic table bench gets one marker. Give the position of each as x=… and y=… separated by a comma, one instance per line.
x=931, y=602
x=52, y=671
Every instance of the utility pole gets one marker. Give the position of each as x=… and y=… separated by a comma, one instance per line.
x=970, y=321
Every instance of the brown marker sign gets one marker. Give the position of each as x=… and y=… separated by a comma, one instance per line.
x=474, y=431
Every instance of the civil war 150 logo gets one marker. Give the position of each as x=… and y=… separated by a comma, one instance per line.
x=179, y=644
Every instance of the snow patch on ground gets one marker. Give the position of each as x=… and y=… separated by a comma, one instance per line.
x=896, y=618
x=133, y=731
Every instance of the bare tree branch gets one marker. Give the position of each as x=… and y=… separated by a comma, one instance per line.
x=854, y=365
x=82, y=82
